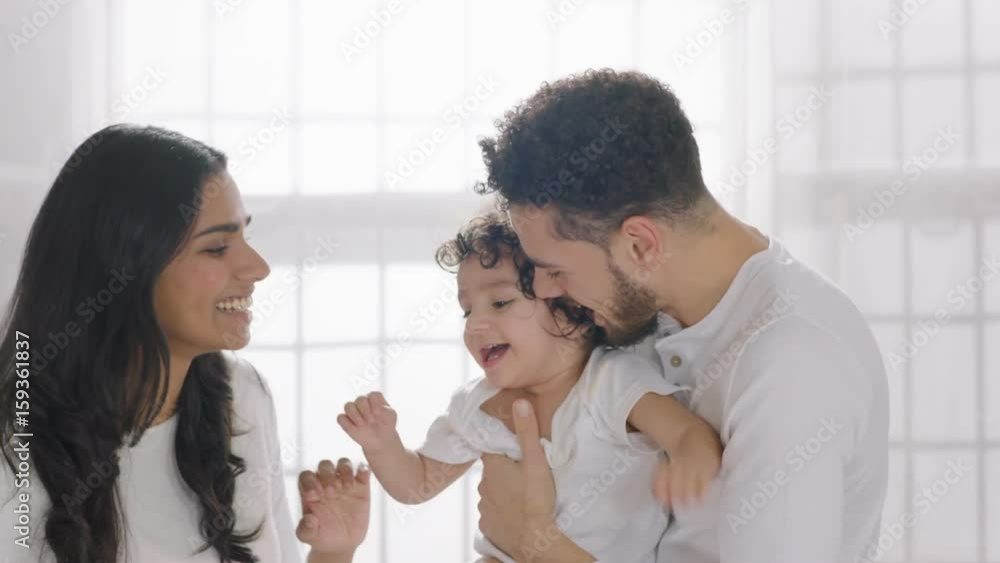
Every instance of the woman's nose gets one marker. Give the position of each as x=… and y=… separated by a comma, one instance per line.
x=256, y=267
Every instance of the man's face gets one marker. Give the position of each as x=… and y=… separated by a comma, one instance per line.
x=587, y=274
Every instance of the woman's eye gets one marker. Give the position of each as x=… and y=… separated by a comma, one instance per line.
x=218, y=251
x=501, y=304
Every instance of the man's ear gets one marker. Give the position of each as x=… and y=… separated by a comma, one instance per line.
x=643, y=242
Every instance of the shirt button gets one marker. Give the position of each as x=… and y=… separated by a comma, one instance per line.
x=675, y=361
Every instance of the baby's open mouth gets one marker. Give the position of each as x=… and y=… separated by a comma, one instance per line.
x=492, y=353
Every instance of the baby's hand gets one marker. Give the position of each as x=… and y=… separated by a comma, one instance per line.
x=690, y=471
x=370, y=422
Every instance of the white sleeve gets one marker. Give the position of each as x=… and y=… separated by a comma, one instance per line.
x=291, y=550
x=795, y=390
x=615, y=383
x=446, y=439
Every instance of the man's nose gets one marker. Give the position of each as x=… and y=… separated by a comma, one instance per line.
x=545, y=287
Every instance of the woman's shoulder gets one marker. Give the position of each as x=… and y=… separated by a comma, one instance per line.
x=248, y=385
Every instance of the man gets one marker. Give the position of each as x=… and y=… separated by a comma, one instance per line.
x=601, y=178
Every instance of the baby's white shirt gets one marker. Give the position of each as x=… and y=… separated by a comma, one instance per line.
x=603, y=474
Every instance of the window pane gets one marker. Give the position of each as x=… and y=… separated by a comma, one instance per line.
x=985, y=14
x=275, y=307
x=942, y=264
x=421, y=302
x=945, y=506
x=251, y=59
x=993, y=505
x=864, y=124
x=332, y=378
x=280, y=370
x=338, y=56
x=258, y=152
x=991, y=416
x=933, y=34
x=518, y=66
x=426, y=532
x=342, y=303
x=991, y=251
x=933, y=121
x=421, y=380
x=943, y=360
x=428, y=157
x=418, y=35
x=859, y=38
x=987, y=114
x=796, y=127
x=873, y=269
x=420, y=383
x=578, y=47
x=149, y=34
x=796, y=31
x=339, y=158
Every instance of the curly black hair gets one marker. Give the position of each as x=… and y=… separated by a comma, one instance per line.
x=490, y=238
x=600, y=146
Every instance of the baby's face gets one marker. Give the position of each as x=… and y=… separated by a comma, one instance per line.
x=510, y=336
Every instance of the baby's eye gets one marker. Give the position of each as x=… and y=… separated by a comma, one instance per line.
x=502, y=304
x=553, y=274
x=465, y=314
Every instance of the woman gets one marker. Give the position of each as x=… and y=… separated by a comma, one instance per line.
x=146, y=443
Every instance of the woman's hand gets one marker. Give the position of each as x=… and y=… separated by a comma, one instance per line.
x=336, y=505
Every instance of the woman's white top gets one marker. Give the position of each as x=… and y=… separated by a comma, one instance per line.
x=603, y=474
x=161, y=513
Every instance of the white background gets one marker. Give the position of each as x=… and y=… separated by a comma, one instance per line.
x=317, y=102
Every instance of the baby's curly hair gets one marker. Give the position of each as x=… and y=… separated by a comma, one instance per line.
x=490, y=238
x=600, y=146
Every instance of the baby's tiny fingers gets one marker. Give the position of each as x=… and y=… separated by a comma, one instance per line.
x=364, y=408
x=351, y=410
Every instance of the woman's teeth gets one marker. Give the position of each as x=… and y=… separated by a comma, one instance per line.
x=238, y=304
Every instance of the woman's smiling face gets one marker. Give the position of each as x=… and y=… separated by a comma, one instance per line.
x=202, y=297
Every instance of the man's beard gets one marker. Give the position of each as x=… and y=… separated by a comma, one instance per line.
x=633, y=313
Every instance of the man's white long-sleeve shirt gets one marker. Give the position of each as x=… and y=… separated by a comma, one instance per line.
x=787, y=370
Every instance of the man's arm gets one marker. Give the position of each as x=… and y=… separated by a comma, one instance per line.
x=796, y=404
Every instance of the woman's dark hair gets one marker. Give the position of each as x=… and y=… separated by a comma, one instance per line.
x=490, y=238
x=600, y=147
x=119, y=211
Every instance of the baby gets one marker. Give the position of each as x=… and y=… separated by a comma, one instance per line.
x=605, y=415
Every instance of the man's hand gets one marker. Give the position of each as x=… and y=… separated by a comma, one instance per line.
x=335, y=509
x=518, y=500
x=370, y=421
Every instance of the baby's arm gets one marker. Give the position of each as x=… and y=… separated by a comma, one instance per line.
x=407, y=476
x=692, y=444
